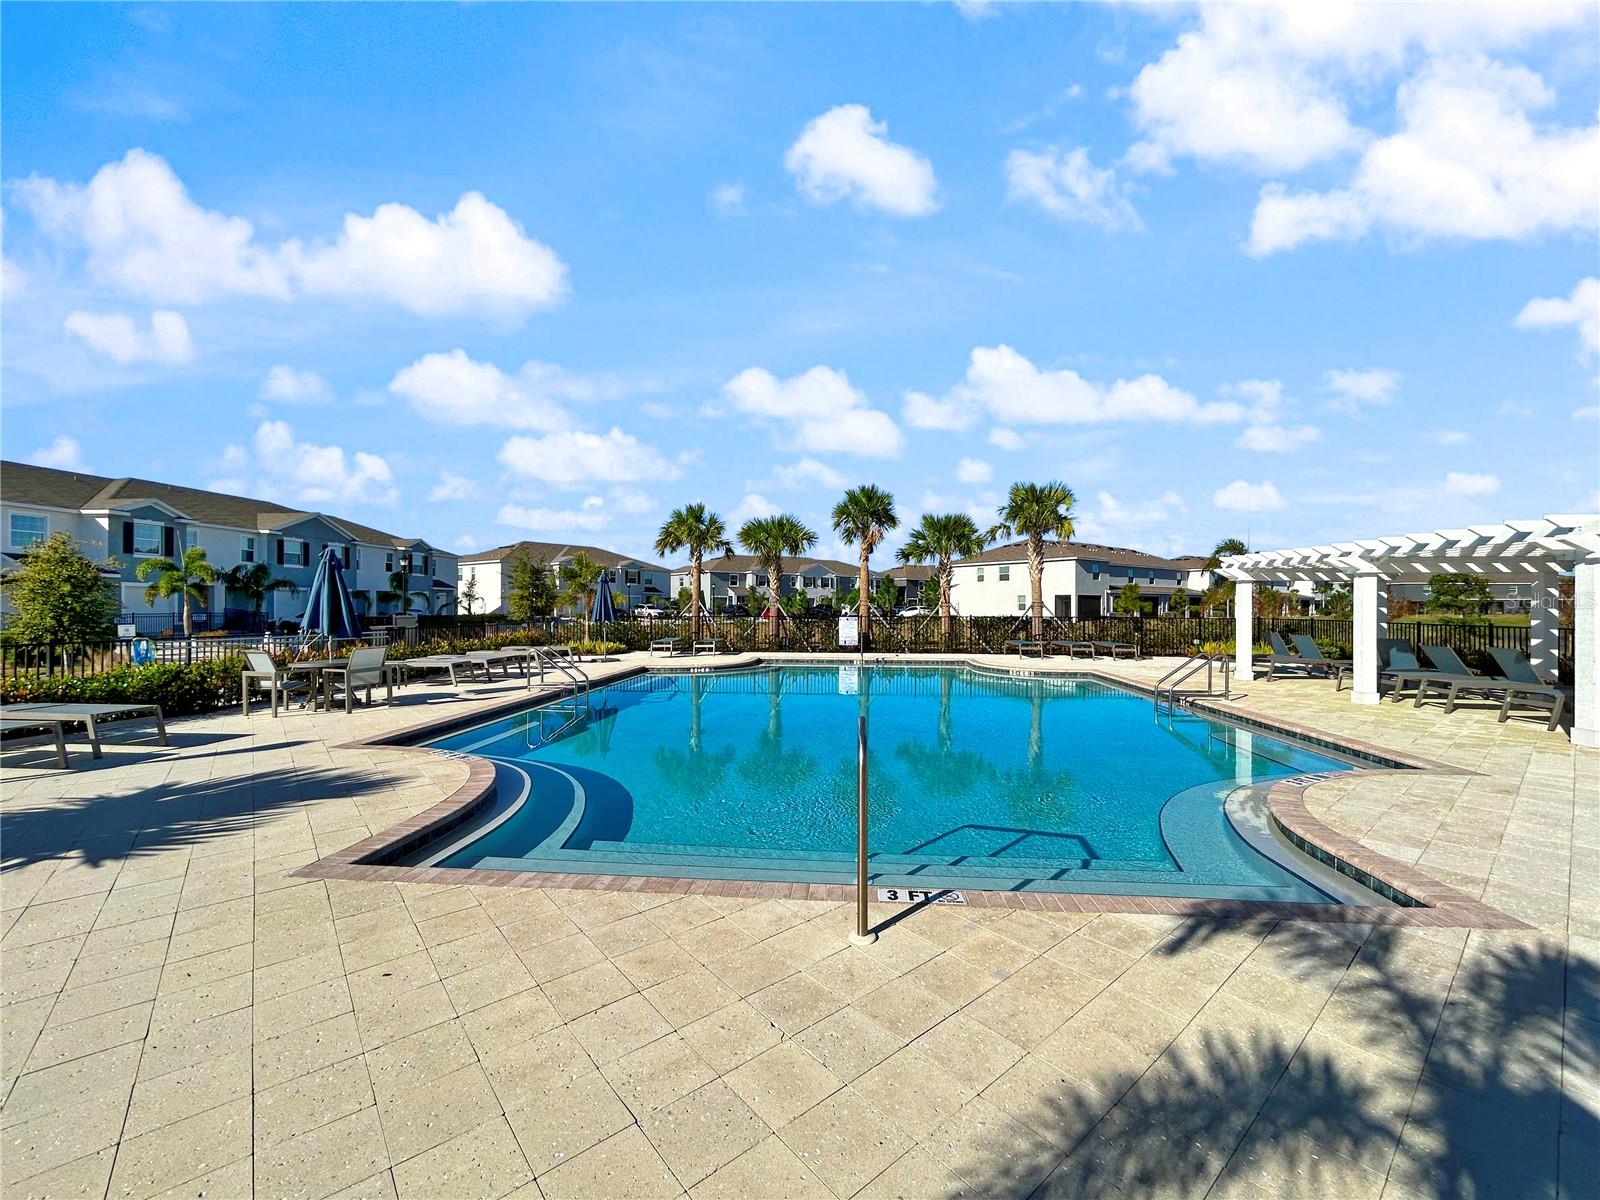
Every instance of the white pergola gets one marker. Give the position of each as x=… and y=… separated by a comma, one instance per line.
x=1536, y=552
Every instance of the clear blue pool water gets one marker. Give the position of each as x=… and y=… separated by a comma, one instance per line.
x=978, y=780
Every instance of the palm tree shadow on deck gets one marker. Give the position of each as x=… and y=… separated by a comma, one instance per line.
x=111, y=828
x=1445, y=1099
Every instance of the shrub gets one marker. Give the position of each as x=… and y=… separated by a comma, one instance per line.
x=597, y=648
x=181, y=689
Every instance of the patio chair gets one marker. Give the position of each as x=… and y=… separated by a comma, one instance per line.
x=365, y=670
x=1283, y=657
x=262, y=672
x=1524, y=687
x=1312, y=653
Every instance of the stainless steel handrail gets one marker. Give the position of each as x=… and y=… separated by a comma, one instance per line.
x=574, y=673
x=1185, y=671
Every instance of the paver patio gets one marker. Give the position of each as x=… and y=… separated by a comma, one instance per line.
x=184, y=1015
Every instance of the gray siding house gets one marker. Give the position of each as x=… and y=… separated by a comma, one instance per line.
x=130, y=520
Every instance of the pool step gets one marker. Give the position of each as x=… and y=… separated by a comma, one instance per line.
x=645, y=852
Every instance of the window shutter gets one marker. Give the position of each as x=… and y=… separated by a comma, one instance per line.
x=280, y=552
x=127, y=537
x=168, y=540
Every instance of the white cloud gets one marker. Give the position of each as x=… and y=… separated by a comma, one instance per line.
x=1006, y=439
x=1466, y=161
x=286, y=385
x=1008, y=388
x=753, y=505
x=13, y=281
x=1240, y=496
x=844, y=153
x=143, y=234
x=1460, y=483
x=818, y=410
x=574, y=459
x=552, y=519
x=473, y=259
x=631, y=502
x=63, y=453
x=1448, y=437
x=1580, y=310
x=305, y=473
x=118, y=337
x=465, y=543
x=1589, y=412
x=973, y=470
x=453, y=487
x=728, y=199
x=1270, y=86
x=1068, y=186
x=807, y=473
x=453, y=389
x=1353, y=388
x=1277, y=439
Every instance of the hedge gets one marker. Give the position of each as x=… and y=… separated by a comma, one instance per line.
x=181, y=689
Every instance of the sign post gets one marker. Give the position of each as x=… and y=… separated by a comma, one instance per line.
x=862, y=936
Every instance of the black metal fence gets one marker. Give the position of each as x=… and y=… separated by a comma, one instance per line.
x=1153, y=636
x=158, y=624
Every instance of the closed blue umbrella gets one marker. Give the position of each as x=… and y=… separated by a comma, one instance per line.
x=330, y=610
x=604, y=608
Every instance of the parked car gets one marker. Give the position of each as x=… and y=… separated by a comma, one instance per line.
x=917, y=610
x=650, y=611
x=736, y=610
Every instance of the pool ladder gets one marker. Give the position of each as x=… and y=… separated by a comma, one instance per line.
x=1167, y=685
x=573, y=673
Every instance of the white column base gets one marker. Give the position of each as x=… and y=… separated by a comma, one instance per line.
x=1244, y=630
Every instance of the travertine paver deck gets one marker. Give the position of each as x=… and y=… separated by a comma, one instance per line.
x=183, y=1015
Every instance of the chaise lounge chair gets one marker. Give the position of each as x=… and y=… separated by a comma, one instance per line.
x=262, y=672
x=1282, y=658
x=1312, y=653
x=1518, y=685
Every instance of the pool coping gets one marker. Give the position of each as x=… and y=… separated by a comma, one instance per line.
x=1419, y=899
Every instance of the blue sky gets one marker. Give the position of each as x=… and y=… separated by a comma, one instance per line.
x=485, y=272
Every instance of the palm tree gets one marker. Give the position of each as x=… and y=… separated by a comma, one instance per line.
x=255, y=583
x=770, y=539
x=580, y=578
x=943, y=538
x=700, y=532
x=1036, y=511
x=1221, y=592
x=864, y=517
x=188, y=578
x=401, y=591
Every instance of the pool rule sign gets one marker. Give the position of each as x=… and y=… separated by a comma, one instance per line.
x=918, y=896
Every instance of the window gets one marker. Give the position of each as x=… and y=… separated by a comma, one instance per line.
x=247, y=548
x=388, y=563
x=146, y=537
x=294, y=552
x=761, y=581
x=1022, y=603
x=630, y=577
x=826, y=581
x=1005, y=574
x=27, y=531
x=355, y=558
x=980, y=574
x=191, y=538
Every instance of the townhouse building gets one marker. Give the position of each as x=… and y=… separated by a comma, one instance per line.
x=129, y=520
x=634, y=581
x=1081, y=580
x=739, y=579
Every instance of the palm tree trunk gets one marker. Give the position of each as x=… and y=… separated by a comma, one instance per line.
x=774, y=585
x=945, y=571
x=1036, y=584
x=863, y=605
x=188, y=621
x=694, y=604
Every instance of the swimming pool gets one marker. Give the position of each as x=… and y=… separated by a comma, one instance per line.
x=978, y=780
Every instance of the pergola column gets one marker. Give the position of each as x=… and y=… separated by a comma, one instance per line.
x=1383, y=611
x=1364, y=592
x=1544, y=622
x=1244, y=630
x=1586, y=653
